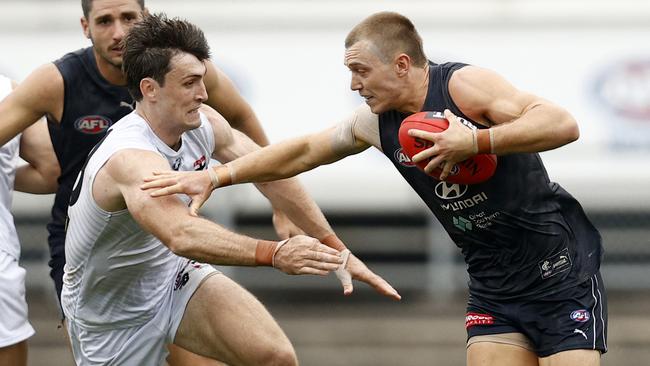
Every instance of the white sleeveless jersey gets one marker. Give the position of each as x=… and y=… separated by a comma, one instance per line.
x=117, y=275
x=8, y=161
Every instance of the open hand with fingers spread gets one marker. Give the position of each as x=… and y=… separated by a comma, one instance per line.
x=197, y=185
x=306, y=255
x=451, y=146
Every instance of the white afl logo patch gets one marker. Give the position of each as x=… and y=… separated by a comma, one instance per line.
x=402, y=159
x=92, y=125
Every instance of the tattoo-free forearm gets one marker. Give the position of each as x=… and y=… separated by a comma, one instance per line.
x=290, y=197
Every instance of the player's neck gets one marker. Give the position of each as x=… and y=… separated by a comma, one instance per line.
x=418, y=87
x=163, y=130
x=110, y=72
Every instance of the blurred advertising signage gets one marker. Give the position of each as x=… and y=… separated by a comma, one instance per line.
x=621, y=94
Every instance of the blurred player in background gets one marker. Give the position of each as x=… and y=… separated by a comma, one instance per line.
x=37, y=176
x=535, y=292
x=129, y=288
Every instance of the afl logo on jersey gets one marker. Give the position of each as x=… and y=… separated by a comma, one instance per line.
x=450, y=191
x=402, y=159
x=92, y=125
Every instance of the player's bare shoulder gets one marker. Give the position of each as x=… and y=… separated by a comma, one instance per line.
x=222, y=130
x=43, y=90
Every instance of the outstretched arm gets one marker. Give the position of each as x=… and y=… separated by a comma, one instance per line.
x=117, y=186
x=287, y=194
x=519, y=122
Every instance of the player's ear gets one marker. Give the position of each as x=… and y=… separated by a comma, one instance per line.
x=148, y=88
x=84, y=26
x=402, y=64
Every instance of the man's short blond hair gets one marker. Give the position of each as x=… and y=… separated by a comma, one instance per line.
x=391, y=33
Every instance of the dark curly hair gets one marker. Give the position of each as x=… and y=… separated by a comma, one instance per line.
x=151, y=44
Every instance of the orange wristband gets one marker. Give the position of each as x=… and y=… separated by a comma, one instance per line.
x=264, y=252
x=333, y=241
x=484, y=141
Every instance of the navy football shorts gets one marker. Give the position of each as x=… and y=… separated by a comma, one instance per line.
x=575, y=318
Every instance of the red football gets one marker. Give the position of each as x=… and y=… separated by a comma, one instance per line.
x=476, y=169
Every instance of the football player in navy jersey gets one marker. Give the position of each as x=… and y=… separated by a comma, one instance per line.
x=533, y=257
x=84, y=92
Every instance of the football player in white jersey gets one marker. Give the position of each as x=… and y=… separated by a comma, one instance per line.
x=37, y=176
x=128, y=287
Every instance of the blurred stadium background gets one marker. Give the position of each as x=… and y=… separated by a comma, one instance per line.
x=591, y=57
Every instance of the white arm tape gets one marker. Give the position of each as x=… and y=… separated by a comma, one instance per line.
x=342, y=274
x=277, y=248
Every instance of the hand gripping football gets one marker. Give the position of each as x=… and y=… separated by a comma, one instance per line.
x=476, y=169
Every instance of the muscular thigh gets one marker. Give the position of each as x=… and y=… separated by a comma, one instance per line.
x=582, y=357
x=224, y=321
x=499, y=354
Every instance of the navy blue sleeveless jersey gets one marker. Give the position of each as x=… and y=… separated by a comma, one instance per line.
x=90, y=106
x=521, y=235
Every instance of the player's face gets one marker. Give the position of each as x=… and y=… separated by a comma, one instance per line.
x=107, y=24
x=183, y=92
x=377, y=82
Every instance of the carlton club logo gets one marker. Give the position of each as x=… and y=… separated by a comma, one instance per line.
x=92, y=125
x=450, y=191
x=402, y=159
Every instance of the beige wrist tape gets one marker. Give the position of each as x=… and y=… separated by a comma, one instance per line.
x=342, y=273
x=220, y=176
x=474, y=142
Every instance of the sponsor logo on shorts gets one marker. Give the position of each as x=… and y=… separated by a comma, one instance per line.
x=472, y=319
x=200, y=163
x=183, y=276
x=578, y=331
x=402, y=158
x=581, y=315
x=92, y=125
x=181, y=279
x=558, y=263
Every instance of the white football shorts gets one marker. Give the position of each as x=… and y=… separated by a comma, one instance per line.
x=14, y=325
x=146, y=344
